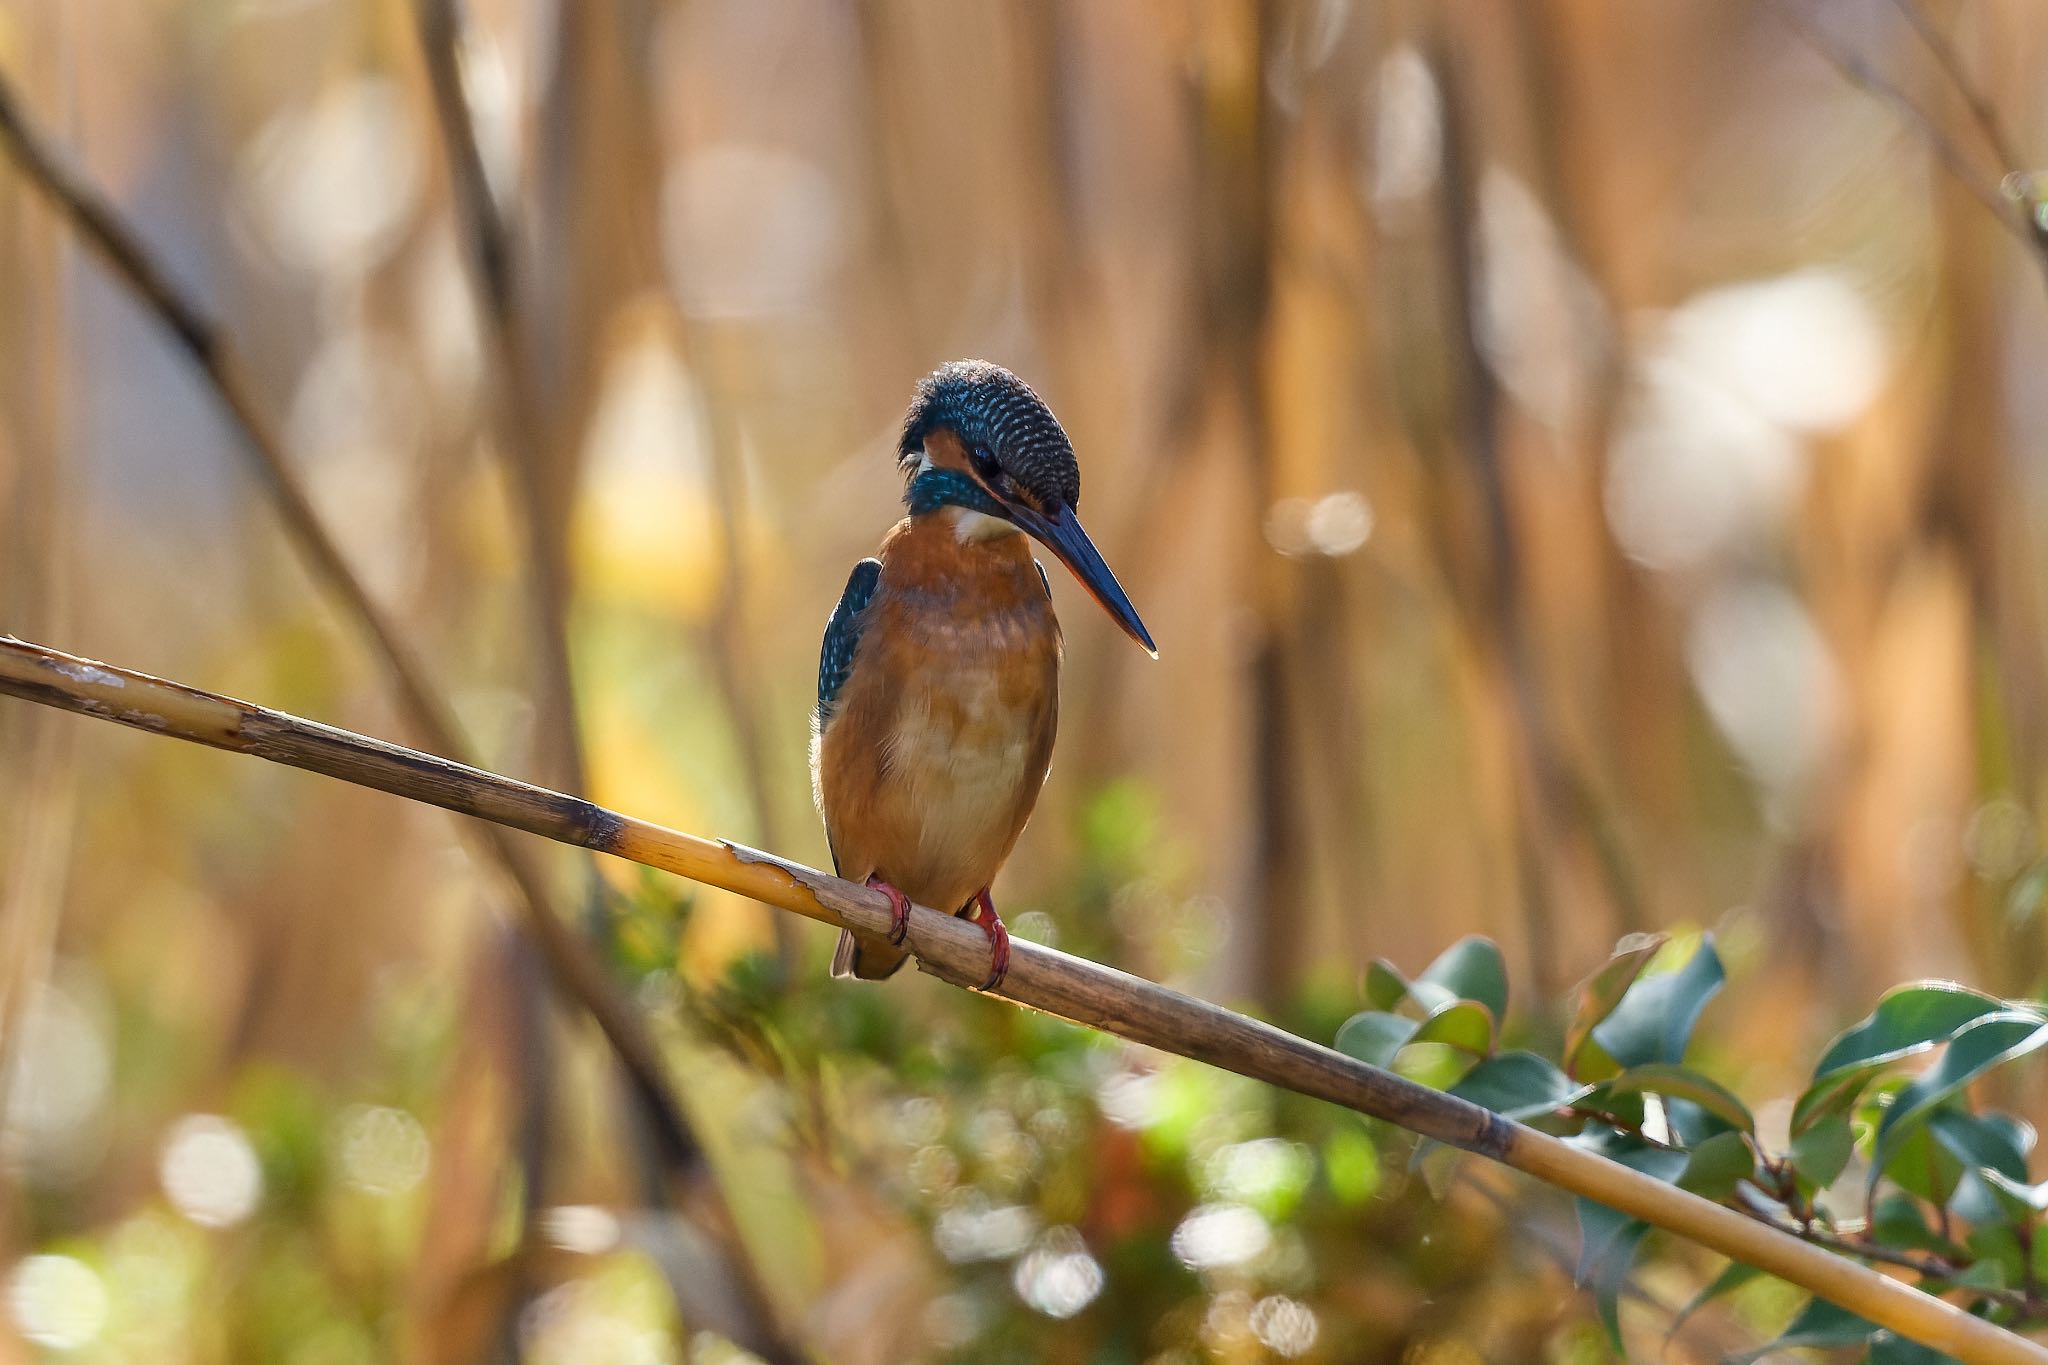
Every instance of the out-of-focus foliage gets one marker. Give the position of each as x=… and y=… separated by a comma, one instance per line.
x=1583, y=464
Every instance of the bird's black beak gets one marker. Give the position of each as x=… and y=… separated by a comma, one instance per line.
x=1062, y=534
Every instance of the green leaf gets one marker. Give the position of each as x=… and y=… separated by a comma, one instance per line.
x=1994, y=1146
x=1374, y=1037
x=1471, y=969
x=1821, y=1153
x=1979, y=1046
x=1716, y=1166
x=1997, y=1260
x=1664, y=1163
x=1463, y=1024
x=1608, y=1242
x=1677, y=1082
x=1426, y=995
x=2033, y=1197
x=1654, y=1021
x=1897, y=1222
x=1992, y=1273
x=1820, y=1323
x=1385, y=987
x=1626, y=1111
x=1978, y=1204
x=1981, y=1142
x=2017, y=1132
x=1436, y=1065
x=1599, y=993
x=1691, y=1125
x=1732, y=1277
x=1907, y=1020
x=1919, y=1165
x=1518, y=1085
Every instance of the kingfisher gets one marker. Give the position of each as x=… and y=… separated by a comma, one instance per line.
x=938, y=682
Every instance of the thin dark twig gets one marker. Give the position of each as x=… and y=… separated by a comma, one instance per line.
x=1927, y=1265
x=1950, y=61
x=1862, y=73
x=572, y=968
x=1982, y=111
x=100, y=224
x=1931, y=1266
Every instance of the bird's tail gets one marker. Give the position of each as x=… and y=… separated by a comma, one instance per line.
x=865, y=958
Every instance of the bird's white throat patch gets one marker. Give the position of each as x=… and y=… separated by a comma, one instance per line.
x=970, y=525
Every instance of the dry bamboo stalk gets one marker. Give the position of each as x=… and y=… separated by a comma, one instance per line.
x=1071, y=988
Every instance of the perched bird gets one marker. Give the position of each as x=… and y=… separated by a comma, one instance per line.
x=938, y=684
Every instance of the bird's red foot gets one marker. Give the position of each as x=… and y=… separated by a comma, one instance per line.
x=899, y=911
x=998, y=939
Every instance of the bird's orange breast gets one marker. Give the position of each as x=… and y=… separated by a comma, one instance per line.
x=933, y=756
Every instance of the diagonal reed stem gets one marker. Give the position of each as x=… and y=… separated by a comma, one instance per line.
x=1040, y=978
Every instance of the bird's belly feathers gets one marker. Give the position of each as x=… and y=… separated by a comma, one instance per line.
x=929, y=773
x=962, y=756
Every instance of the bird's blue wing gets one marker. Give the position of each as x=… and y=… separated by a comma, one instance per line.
x=1047, y=582
x=842, y=633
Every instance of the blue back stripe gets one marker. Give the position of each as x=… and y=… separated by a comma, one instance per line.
x=842, y=633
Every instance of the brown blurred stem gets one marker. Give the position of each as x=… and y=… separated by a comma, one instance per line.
x=1479, y=545
x=36, y=534
x=522, y=434
x=1239, y=170
x=723, y=638
x=571, y=967
x=1041, y=978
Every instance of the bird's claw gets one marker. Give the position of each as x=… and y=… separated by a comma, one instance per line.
x=899, y=911
x=998, y=939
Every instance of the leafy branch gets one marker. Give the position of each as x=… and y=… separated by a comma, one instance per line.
x=1943, y=1183
x=1625, y=1186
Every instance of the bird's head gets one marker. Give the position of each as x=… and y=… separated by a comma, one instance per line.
x=978, y=441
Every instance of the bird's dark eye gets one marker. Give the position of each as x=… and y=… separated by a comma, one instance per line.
x=984, y=462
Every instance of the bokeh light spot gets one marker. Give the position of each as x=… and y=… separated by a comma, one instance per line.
x=973, y=1231
x=57, y=1301
x=1767, y=680
x=1058, y=1277
x=1408, y=141
x=1287, y=1326
x=209, y=1171
x=1266, y=1173
x=1216, y=1235
x=331, y=186
x=53, y=1096
x=582, y=1228
x=382, y=1150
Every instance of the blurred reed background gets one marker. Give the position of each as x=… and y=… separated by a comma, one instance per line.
x=1583, y=464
